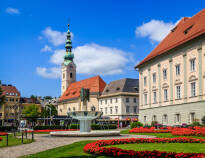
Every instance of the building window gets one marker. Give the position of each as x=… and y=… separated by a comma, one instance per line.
x=193, y=89
x=71, y=75
x=155, y=97
x=127, y=109
x=105, y=110
x=192, y=117
x=177, y=69
x=92, y=108
x=178, y=92
x=101, y=102
x=110, y=110
x=154, y=77
x=145, y=118
x=127, y=100
x=178, y=118
x=164, y=118
x=145, y=81
x=145, y=99
x=116, y=100
x=165, y=95
x=63, y=75
x=135, y=109
x=110, y=101
x=135, y=100
x=165, y=74
x=105, y=101
x=73, y=108
x=154, y=118
x=192, y=64
x=101, y=109
x=116, y=109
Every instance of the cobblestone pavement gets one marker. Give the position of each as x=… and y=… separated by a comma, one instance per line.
x=45, y=141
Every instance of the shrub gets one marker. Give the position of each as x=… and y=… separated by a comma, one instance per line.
x=48, y=127
x=153, y=124
x=203, y=120
x=136, y=124
x=195, y=123
x=7, y=128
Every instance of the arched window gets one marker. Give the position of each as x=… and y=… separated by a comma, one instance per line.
x=71, y=75
x=164, y=119
x=69, y=109
x=92, y=108
x=154, y=118
x=73, y=108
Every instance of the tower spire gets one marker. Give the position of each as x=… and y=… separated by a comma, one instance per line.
x=68, y=57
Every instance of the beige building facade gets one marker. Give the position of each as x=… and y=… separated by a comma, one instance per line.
x=172, y=84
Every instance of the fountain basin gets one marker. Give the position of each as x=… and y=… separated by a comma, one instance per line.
x=85, y=134
x=85, y=118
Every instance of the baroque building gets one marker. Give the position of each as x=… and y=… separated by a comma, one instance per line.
x=70, y=88
x=120, y=99
x=172, y=76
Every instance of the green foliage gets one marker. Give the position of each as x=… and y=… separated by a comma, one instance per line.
x=7, y=128
x=46, y=111
x=203, y=120
x=31, y=111
x=195, y=123
x=33, y=96
x=136, y=124
x=2, y=97
x=48, y=127
x=47, y=97
x=154, y=123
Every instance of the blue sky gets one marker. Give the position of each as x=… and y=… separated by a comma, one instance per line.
x=109, y=38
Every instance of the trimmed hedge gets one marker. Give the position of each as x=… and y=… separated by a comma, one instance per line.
x=7, y=128
x=77, y=126
x=136, y=124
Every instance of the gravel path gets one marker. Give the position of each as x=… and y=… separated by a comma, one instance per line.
x=45, y=141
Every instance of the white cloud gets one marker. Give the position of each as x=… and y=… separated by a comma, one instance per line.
x=55, y=37
x=46, y=48
x=155, y=30
x=95, y=59
x=54, y=72
x=12, y=11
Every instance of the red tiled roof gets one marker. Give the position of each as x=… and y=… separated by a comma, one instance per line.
x=95, y=84
x=195, y=26
x=10, y=90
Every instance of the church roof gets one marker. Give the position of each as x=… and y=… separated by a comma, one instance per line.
x=187, y=29
x=95, y=84
x=123, y=85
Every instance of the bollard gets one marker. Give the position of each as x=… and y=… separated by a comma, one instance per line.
x=7, y=140
x=22, y=138
x=15, y=133
x=32, y=136
x=26, y=133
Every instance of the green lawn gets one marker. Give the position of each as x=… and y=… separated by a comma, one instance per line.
x=158, y=135
x=169, y=147
x=74, y=150
x=13, y=141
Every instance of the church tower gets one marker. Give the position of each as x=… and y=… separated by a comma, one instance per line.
x=68, y=69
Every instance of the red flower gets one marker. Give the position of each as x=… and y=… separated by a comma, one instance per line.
x=3, y=133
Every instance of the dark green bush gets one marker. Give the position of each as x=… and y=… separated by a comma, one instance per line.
x=136, y=124
x=203, y=120
x=153, y=123
x=195, y=123
x=7, y=128
x=48, y=127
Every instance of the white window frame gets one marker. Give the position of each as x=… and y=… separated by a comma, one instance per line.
x=177, y=69
x=165, y=74
x=178, y=92
x=154, y=77
x=165, y=94
x=193, y=89
x=192, y=65
x=155, y=97
x=145, y=99
x=145, y=81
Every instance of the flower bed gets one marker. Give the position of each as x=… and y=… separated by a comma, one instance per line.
x=197, y=131
x=3, y=133
x=50, y=130
x=98, y=149
x=149, y=130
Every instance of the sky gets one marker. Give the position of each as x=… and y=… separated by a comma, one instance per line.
x=109, y=38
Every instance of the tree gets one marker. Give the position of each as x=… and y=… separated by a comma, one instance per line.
x=47, y=97
x=33, y=96
x=46, y=111
x=31, y=112
x=2, y=97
